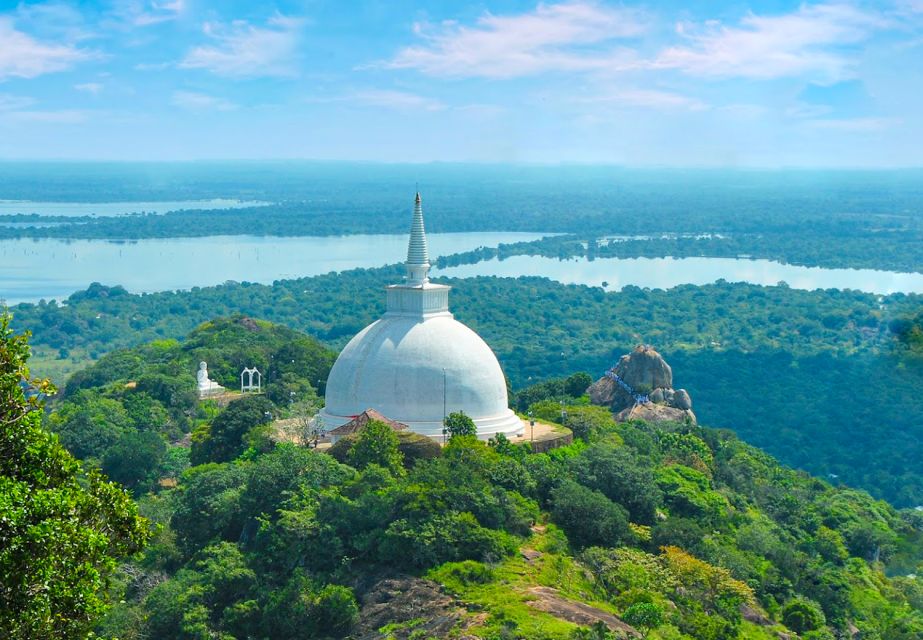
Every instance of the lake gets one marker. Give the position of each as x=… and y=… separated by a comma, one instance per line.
x=107, y=209
x=663, y=273
x=34, y=269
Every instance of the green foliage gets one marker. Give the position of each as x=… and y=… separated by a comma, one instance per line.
x=597, y=631
x=587, y=421
x=378, y=444
x=576, y=384
x=201, y=600
x=644, y=615
x=62, y=530
x=207, y=505
x=414, y=447
x=687, y=493
x=89, y=424
x=800, y=614
x=459, y=424
x=735, y=526
x=274, y=478
x=732, y=331
x=588, y=517
x=622, y=476
x=224, y=439
x=301, y=609
x=466, y=573
x=135, y=459
x=444, y=538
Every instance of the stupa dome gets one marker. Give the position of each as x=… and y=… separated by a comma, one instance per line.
x=417, y=363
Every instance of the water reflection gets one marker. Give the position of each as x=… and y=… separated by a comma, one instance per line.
x=664, y=273
x=34, y=269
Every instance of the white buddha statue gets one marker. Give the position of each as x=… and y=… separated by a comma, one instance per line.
x=205, y=386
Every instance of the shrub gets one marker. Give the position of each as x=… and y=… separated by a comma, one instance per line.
x=588, y=517
x=415, y=447
x=800, y=614
x=646, y=615
x=458, y=423
x=376, y=444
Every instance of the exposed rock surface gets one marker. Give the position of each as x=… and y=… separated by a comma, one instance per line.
x=419, y=604
x=550, y=601
x=649, y=394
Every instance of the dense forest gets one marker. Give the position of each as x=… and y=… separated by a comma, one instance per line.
x=805, y=374
x=671, y=531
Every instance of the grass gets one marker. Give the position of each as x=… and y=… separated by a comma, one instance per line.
x=501, y=590
x=46, y=363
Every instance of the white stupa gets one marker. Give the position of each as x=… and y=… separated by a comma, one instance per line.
x=417, y=363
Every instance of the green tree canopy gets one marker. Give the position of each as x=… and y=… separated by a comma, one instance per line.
x=377, y=444
x=458, y=423
x=61, y=529
x=223, y=440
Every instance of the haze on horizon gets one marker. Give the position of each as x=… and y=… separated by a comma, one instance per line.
x=758, y=84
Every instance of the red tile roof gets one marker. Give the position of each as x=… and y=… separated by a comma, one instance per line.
x=358, y=423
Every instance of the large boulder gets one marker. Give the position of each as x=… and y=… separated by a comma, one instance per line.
x=645, y=370
x=651, y=396
x=682, y=400
x=651, y=412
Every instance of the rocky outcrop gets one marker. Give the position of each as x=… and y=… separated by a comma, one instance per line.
x=550, y=601
x=640, y=387
x=409, y=607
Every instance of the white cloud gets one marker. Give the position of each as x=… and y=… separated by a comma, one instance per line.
x=553, y=37
x=15, y=109
x=56, y=21
x=60, y=116
x=855, y=125
x=10, y=102
x=744, y=110
x=143, y=13
x=804, y=110
x=22, y=56
x=89, y=87
x=807, y=42
x=398, y=100
x=648, y=98
x=193, y=101
x=242, y=50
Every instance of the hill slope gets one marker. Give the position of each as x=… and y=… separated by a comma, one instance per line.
x=673, y=531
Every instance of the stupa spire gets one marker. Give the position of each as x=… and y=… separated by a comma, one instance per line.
x=417, y=252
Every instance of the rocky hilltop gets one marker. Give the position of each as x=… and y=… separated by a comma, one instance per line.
x=640, y=387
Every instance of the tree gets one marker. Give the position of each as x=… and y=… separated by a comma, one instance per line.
x=135, y=459
x=302, y=610
x=89, y=423
x=577, y=384
x=278, y=475
x=61, y=528
x=622, y=477
x=377, y=444
x=588, y=517
x=458, y=423
x=800, y=614
x=645, y=615
x=224, y=439
x=415, y=447
x=208, y=505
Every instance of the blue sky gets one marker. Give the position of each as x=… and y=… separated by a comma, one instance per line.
x=724, y=83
